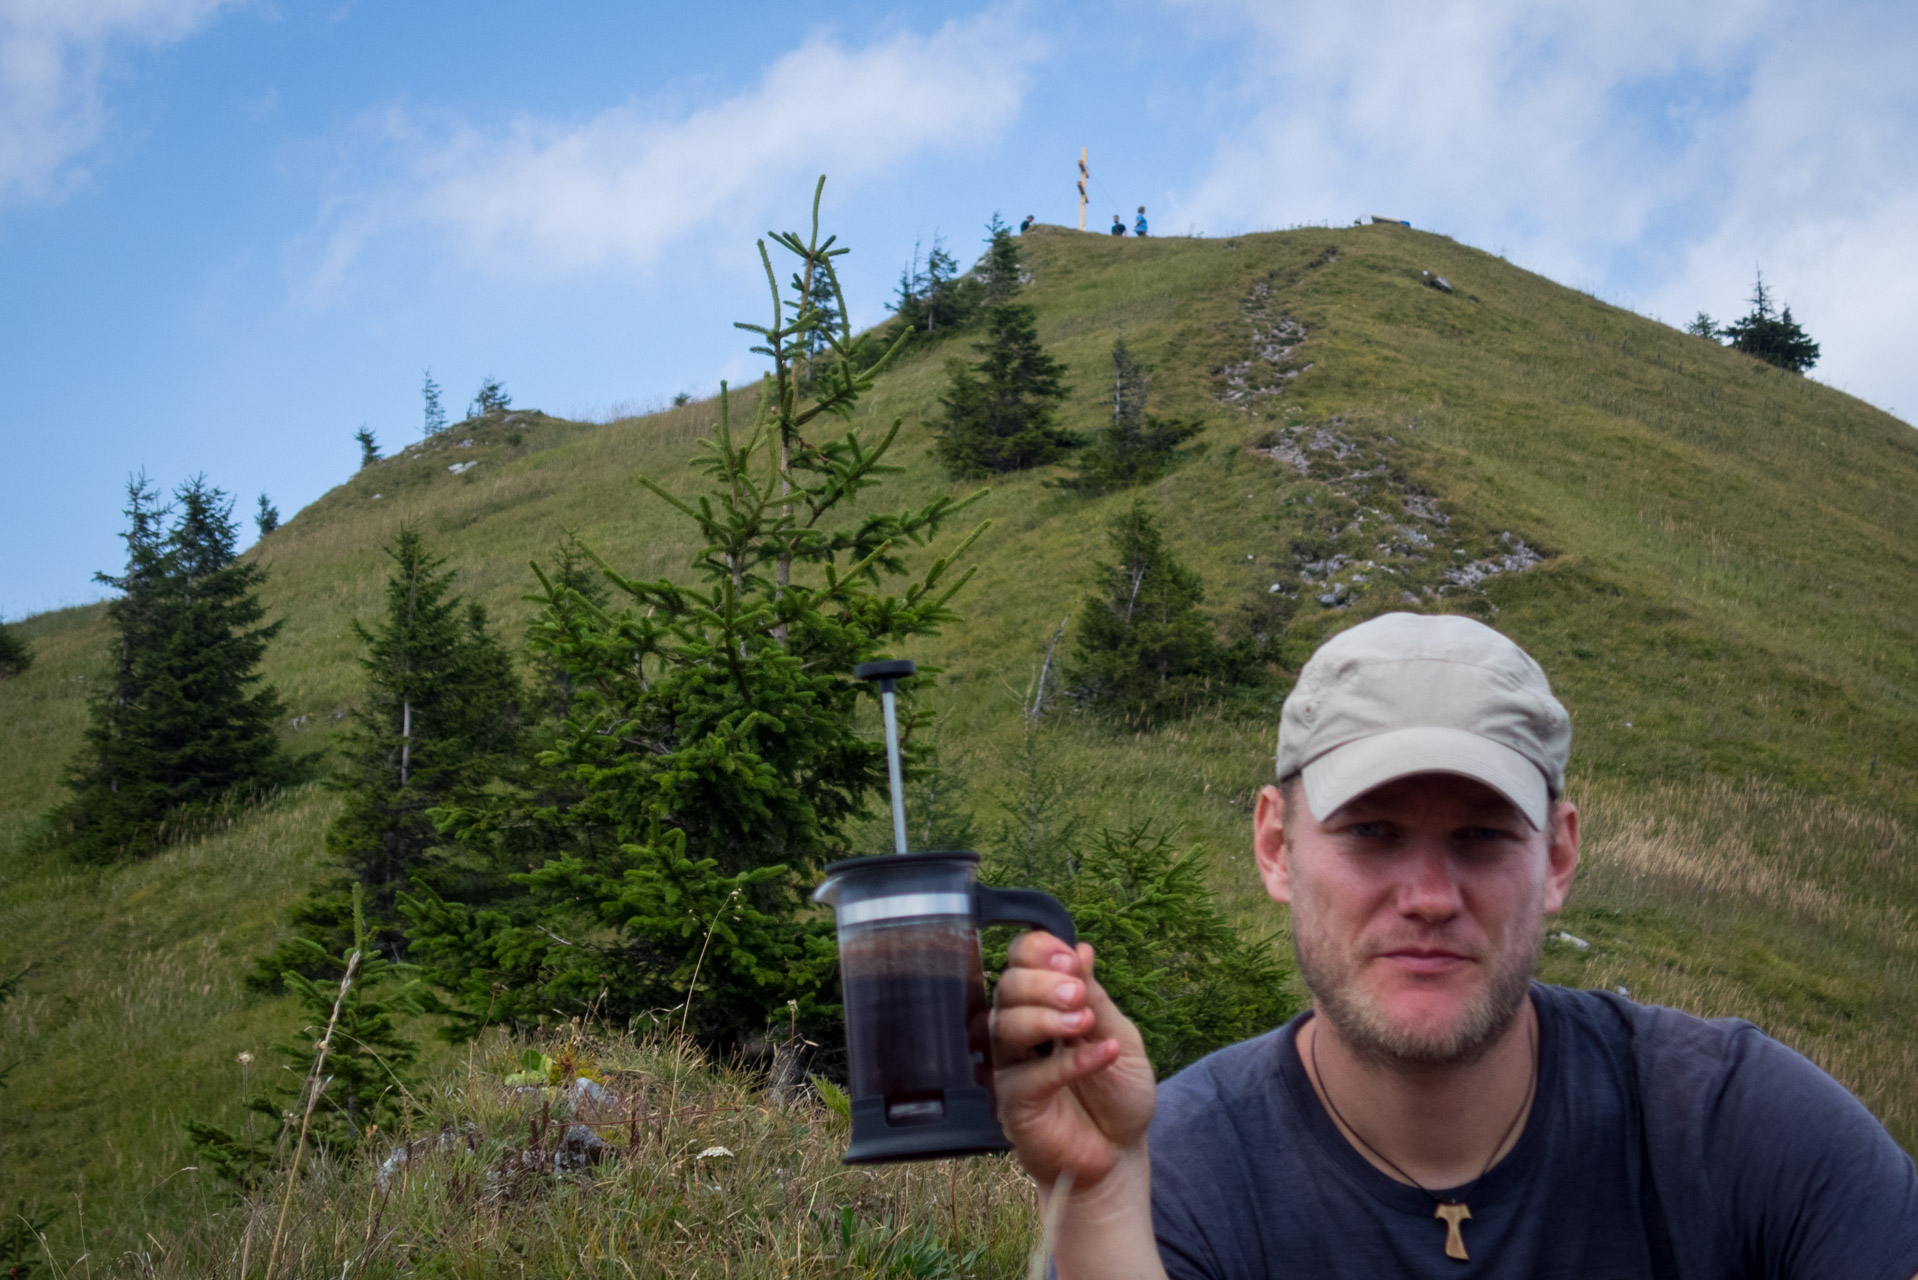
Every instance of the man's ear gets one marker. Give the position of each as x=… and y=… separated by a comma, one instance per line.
x=1561, y=857
x=1268, y=844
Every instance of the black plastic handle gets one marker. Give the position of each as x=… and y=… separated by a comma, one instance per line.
x=1026, y=906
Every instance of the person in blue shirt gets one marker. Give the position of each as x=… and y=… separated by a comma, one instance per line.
x=1138, y=225
x=1118, y=225
x=1435, y=1112
x=1029, y=219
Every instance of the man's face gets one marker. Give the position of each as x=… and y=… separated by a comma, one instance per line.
x=1417, y=910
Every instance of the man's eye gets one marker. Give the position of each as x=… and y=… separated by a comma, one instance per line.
x=1478, y=835
x=1370, y=830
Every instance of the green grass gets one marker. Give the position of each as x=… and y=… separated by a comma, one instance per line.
x=1724, y=607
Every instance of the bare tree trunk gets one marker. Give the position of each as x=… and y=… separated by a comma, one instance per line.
x=406, y=739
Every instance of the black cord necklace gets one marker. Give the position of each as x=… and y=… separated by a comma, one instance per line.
x=1453, y=1210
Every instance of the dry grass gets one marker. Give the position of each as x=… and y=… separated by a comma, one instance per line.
x=664, y=1202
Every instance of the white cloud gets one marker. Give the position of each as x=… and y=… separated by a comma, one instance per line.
x=53, y=57
x=1654, y=153
x=543, y=198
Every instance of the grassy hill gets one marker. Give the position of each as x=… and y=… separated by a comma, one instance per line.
x=1711, y=558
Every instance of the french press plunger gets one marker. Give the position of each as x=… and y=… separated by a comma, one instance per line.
x=915, y=996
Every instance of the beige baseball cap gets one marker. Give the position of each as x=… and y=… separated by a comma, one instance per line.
x=1406, y=693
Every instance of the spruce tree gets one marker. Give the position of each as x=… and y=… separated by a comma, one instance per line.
x=490, y=398
x=182, y=726
x=933, y=297
x=1001, y=274
x=579, y=586
x=1771, y=335
x=359, y=1092
x=713, y=755
x=999, y=411
x=1190, y=979
x=16, y=655
x=1145, y=651
x=369, y=447
x=434, y=418
x=268, y=515
x=441, y=714
x=1135, y=446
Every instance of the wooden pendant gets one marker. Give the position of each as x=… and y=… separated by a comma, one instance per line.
x=1454, y=1238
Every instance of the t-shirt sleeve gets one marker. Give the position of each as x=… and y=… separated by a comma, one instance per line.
x=1807, y=1181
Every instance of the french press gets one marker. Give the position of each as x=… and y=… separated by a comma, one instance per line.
x=917, y=1038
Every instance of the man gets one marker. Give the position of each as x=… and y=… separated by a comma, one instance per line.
x=1138, y=225
x=1436, y=1112
x=1118, y=225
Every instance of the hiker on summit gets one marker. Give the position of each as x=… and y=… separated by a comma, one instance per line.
x=1118, y=225
x=1138, y=224
x=1025, y=224
x=1435, y=1112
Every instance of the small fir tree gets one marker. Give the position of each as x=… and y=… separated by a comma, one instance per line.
x=369, y=447
x=712, y=758
x=1135, y=447
x=490, y=398
x=16, y=655
x=579, y=587
x=1703, y=326
x=1190, y=981
x=359, y=1093
x=1000, y=410
x=434, y=417
x=184, y=724
x=1001, y=274
x=1772, y=335
x=441, y=715
x=933, y=297
x=267, y=517
x=1145, y=650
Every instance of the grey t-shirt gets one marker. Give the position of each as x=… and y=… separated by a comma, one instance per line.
x=1659, y=1145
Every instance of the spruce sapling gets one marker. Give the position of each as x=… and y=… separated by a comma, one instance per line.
x=712, y=758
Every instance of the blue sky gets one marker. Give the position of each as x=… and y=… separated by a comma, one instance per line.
x=231, y=232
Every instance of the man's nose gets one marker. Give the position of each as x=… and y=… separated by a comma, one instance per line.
x=1429, y=886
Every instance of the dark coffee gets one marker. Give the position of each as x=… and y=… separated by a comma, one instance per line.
x=916, y=1014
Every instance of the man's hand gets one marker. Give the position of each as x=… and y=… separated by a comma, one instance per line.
x=1085, y=1106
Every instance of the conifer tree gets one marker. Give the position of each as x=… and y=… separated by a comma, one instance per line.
x=490, y=398
x=434, y=418
x=181, y=727
x=579, y=586
x=712, y=758
x=441, y=713
x=933, y=297
x=369, y=447
x=16, y=655
x=1001, y=274
x=999, y=411
x=1771, y=335
x=1135, y=446
x=1188, y=978
x=361, y=1090
x=1145, y=651
x=268, y=515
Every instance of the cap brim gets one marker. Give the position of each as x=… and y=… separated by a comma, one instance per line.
x=1348, y=772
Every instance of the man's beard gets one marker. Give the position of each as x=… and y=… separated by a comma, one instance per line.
x=1363, y=1025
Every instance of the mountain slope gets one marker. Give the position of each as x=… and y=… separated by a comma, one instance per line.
x=1711, y=558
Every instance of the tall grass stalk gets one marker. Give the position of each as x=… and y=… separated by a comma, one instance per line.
x=314, y=1084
